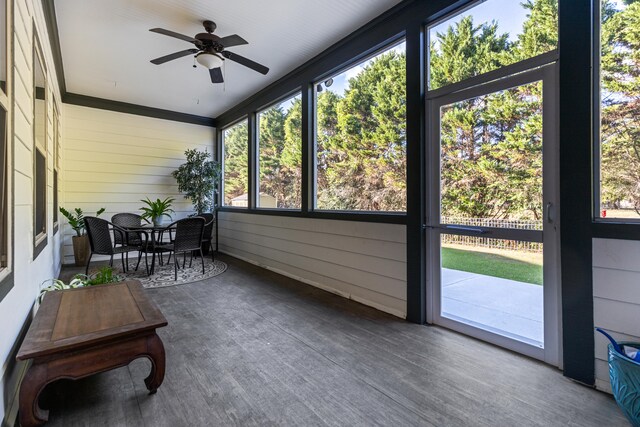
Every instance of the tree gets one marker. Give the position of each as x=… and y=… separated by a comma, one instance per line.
x=236, y=156
x=620, y=87
x=280, y=139
x=362, y=140
x=464, y=51
x=198, y=179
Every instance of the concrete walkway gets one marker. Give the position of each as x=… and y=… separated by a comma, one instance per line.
x=504, y=306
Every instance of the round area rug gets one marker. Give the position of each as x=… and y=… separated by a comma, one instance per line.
x=164, y=274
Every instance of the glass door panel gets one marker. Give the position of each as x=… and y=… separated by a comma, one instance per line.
x=490, y=218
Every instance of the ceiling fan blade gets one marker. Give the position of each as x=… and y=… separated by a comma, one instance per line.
x=173, y=56
x=174, y=35
x=216, y=75
x=246, y=62
x=233, y=40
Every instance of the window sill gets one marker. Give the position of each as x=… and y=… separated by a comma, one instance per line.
x=39, y=245
x=381, y=217
x=615, y=229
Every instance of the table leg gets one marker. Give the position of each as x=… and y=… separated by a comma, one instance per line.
x=34, y=381
x=155, y=352
x=153, y=251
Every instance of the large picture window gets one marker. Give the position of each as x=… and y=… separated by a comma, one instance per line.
x=280, y=148
x=619, y=154
x=361, y=136
x=235, y=140
x=488, y=36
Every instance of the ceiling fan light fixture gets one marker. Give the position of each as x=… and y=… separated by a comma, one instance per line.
x=209, y=60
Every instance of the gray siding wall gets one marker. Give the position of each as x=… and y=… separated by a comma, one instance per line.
x=616, y=298
x=362, y=261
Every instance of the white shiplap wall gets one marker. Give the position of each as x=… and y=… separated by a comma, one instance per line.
x=616, y=298
x=29, y=273
x=113, y=160
x=359, y=260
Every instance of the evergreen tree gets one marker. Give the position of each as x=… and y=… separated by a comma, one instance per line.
x=236, y=168
x=620, y=132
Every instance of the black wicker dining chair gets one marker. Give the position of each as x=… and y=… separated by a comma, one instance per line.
x=99, y=232
x=133, y=238
x=187, y=239
x=210, y=220
x=206, y=235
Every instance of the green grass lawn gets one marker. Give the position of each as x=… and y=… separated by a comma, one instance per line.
x=493, y=264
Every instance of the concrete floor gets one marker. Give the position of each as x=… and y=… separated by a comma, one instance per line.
x=253, y=348
x=504, y=306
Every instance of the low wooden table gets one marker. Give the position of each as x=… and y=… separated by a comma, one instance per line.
x=81, y=332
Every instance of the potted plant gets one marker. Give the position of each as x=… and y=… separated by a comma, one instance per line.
x=198, y=179
x=103, y=276
x=155, y=210
x=80, y=240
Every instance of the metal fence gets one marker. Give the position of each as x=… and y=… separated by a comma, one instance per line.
x=488, y=242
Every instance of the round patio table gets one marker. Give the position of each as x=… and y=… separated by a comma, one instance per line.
x=153, y=230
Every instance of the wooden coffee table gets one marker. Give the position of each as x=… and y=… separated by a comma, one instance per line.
x=81, y=332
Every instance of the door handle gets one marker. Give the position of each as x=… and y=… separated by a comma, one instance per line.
x=548, y=212
x=463, y=228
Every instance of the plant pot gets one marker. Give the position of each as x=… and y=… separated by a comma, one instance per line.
x=81, y=249
x=157, y=221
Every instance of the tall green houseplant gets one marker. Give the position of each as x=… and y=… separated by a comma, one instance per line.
x=198, y=179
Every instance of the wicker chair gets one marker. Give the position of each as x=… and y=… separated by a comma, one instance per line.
x=210, y=220
x=187, y=238
x=100, y=240
x=133, y=238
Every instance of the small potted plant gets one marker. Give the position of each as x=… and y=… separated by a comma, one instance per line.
x=80, y=240
x=155, y=210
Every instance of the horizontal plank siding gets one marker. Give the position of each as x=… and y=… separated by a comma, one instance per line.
x=362, y=261
x=113, y=160
x=616, y=298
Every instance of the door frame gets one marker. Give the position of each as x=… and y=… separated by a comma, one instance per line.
x=552, y=351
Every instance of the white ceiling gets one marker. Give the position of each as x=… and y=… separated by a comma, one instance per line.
x=106, y=46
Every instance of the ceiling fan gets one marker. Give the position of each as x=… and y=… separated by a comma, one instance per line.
x=210, y=51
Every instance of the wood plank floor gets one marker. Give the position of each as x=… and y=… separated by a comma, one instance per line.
x=251, y=347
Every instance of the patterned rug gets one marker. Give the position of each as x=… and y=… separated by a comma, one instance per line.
x=163, y=275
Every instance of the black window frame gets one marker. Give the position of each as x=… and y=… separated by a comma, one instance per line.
x=56, y=168
x=390, y=44
x=607, y=228
x=7, y=138
x=306, y=86
x=40, y=239
x=5, y=49
x=283, y=98
x=221, y=149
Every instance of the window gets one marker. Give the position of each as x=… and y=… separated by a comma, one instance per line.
x=361, y=136
x=4, y=190
x=40, y=152
x=56, y=153
x=235, y=142
x=6, y=177
x=488, y=36
x=280, y=148
x=619, y=168
x=3, y=46
x=40, y=195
